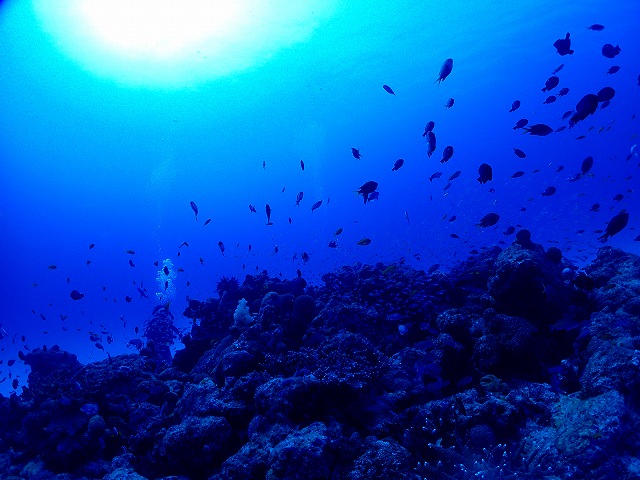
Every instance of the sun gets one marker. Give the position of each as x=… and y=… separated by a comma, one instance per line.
x=173, y=43
x=159, y=28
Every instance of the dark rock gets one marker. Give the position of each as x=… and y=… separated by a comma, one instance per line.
x=525, y=283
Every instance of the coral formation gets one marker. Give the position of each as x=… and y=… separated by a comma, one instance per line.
x=505, y=367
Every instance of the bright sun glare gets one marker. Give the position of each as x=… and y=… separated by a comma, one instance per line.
x=160, y=29
x=173, y=43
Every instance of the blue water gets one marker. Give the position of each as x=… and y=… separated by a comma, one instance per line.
x=93, y=158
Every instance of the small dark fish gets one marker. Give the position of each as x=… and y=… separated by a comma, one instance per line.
x=76, y=295
x=194, y=207
x=610, y=51
x=445, y=70
x=131, y=264
x=618, y=197
x=447, y=186
x=509, y=230
x=486, y=173
x=447, y=153
x=604, y=105
x=221, y=247
x=519, y=153
x=143, y=293
x=595, y=207
x=397, y=164
x=252, y=209
x=316, y=205
x=549, y=99
x=596, y=27
x=431, y=141
x=613, y=69
x=551, y=83
x=264, y=164
x=339, y=231
x=605, y=94
x=558, y=68
x=455, y=175
x=302, y=165
x=563, y=91
x=566, y=114
x=130, y=252
x=373, y=196
x=183, y=244
x=433, y=268
x=587, y=163
x=563, y=46
x=549, y=191
x=127, y=299
x=299, y=197
x=539, y=130
x=453, y=235
x=449, y=103
x=453, y=218
x=488, y=220
x=333, y=244
x=388, y=89
x=364, y=241
x=521, y=123
x=52, y=267
x=514, y=106
x=91, y=245
x=585, y=107
x=615, y=225
x=560, y=168
x=268, y=210
x=366, y=189
x=517, y=174
x=356, y=153
x=434, y=176
x=289, y=220
x=428, y=127
x=99, y=346
x=166, y=270
x=207, y=222
x=560, y=128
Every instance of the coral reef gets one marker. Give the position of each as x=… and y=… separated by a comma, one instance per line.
x=504, y=367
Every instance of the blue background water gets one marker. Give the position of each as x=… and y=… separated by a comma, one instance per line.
x=87, y=158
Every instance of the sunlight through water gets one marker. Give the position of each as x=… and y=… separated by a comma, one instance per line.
x=172, y=44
